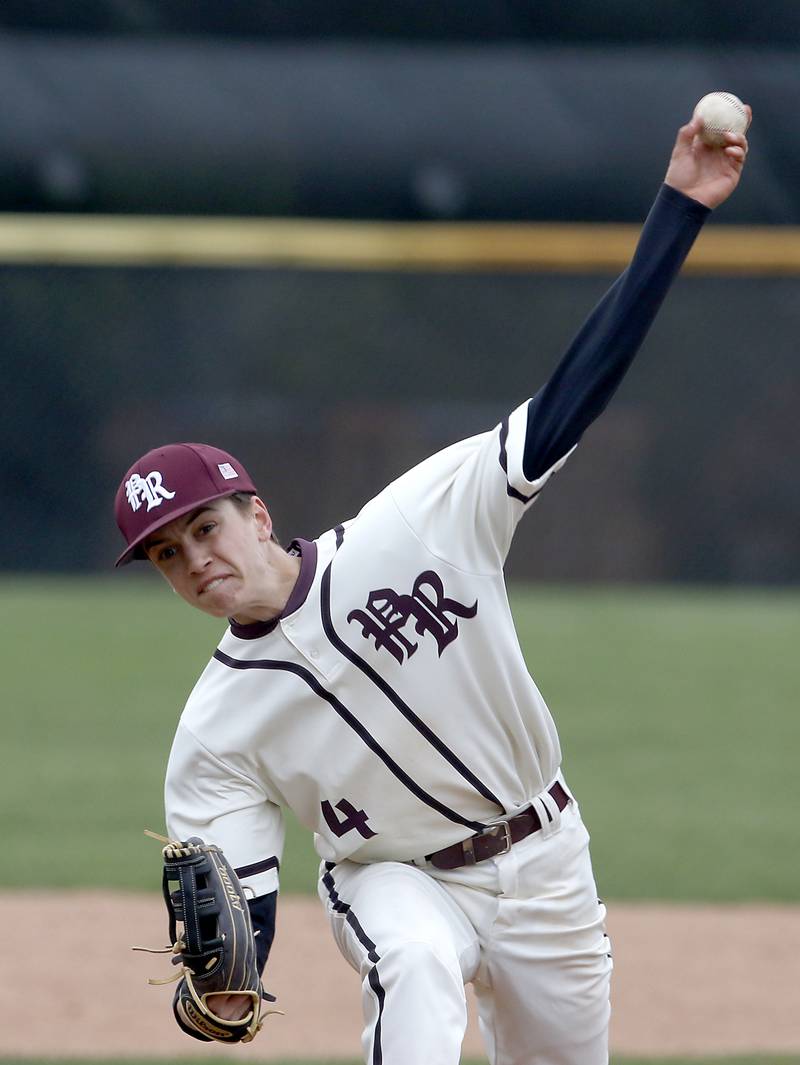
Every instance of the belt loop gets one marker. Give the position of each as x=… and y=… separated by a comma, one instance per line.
x=549, y=814
x=552, y=806
x=469, y=851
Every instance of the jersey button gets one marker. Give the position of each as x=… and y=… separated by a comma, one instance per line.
x=314, y=653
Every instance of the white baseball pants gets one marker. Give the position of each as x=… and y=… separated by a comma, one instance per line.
x=525, y=928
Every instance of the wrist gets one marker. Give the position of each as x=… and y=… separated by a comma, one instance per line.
x=685, y=201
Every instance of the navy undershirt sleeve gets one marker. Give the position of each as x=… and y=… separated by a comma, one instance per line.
x=262, y=914
x=598, y=358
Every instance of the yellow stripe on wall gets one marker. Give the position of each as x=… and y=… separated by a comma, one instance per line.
x=104, y=240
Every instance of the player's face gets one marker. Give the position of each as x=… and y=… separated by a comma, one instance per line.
x=215, y=557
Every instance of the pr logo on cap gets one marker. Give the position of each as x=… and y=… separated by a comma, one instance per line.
x=150, y=489
x=227, y=471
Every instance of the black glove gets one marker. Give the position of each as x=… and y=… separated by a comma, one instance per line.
x=216, y=946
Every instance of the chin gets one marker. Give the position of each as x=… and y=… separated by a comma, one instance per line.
x=216, y=606
x=216, y=611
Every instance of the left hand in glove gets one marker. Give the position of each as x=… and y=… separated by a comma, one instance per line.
x=220, y=996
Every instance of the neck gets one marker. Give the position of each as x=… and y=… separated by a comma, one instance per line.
x=279, y=578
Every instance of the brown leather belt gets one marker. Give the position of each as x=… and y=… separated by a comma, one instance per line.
x=494, y=839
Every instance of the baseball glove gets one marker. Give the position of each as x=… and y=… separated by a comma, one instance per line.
x=216, y=946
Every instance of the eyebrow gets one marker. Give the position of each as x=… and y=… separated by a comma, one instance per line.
x=187, y=521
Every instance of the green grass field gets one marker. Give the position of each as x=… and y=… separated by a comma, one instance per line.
x=677, y=709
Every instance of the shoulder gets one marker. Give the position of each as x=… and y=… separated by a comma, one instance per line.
x=444, y=464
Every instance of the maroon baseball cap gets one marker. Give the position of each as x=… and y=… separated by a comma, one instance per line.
x=168, y=482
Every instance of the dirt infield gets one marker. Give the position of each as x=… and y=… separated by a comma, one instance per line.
x=688, y=980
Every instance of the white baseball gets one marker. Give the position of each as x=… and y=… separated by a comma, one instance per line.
x=721, y=112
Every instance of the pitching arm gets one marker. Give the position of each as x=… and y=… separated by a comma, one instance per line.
x=598, y=358
x=699, y=178
x=486, y=483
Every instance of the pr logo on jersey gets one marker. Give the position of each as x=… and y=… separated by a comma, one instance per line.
x=149, y=489
x=388, y=612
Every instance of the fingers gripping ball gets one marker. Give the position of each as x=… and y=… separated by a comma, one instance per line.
x=722, y=113
x=216, y=946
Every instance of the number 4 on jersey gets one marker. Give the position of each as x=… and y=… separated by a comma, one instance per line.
x=353, y=819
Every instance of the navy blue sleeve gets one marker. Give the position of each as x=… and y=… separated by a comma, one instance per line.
x=262, y=914
x=598, y=358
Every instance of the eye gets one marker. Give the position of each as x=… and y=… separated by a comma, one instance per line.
x=166, y=553
x=207, y=527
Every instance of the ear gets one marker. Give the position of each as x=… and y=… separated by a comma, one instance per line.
x=262, y=519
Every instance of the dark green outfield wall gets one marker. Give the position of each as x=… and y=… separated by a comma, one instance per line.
x=327, y=385
x=713, y=22
x=530, y=130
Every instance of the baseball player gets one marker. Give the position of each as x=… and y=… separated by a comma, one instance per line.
x=372, y=682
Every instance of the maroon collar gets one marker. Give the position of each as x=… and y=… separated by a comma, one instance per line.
x=307, y=550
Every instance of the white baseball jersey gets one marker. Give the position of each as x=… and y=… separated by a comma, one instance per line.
x=389, y=706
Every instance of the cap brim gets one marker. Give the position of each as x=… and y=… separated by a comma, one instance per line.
x=134, y=552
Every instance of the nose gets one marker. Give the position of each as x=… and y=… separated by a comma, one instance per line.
x=197, y=557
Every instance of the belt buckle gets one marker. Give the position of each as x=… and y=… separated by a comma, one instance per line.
x=492, y=830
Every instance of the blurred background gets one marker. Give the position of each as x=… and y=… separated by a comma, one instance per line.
x=329, y=374
x=332, y=237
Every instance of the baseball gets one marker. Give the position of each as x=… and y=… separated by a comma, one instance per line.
x=721, y=112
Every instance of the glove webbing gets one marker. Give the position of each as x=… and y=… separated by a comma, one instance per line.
x=205, y=950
